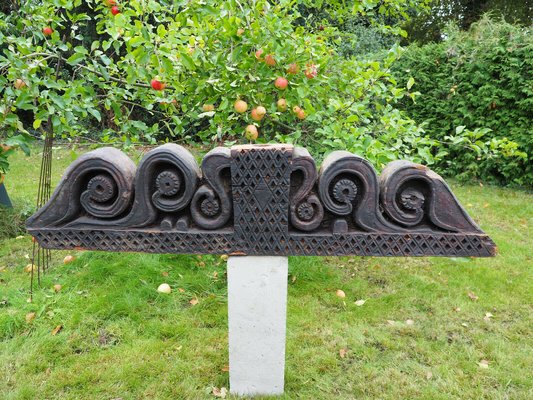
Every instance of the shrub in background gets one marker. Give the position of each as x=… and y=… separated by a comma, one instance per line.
x=481, y=79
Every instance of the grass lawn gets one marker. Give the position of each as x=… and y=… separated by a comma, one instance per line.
x=430, y=328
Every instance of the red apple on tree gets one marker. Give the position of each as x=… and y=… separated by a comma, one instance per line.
x=270, y=60
x=259, y=54
x=240, y=106
x=47, y=31
x=258, y=113
x=251, y=132
x=157, y=84
x=299, y=112
x=311, y=71
x=293, y=69
x=281, y=83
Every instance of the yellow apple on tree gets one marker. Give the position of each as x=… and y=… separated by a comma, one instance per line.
x=19, y=84
x=282, y=105
x=251, y=132
x=240, y=106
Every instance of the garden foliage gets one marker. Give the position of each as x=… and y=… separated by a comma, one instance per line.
x=481, y=79
x=85, y=70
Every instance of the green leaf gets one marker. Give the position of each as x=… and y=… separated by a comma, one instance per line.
x=37, y=123
x=81, y=50
x=410, y=83
x=187, y=61
x=75, y=59
x=459, y=129
x=95, y=113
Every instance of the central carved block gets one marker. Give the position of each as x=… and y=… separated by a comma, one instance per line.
x=260, y=184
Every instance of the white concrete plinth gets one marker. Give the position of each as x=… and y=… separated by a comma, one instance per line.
x=257, y=309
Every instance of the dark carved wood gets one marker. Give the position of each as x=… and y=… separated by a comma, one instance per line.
x=255, y=200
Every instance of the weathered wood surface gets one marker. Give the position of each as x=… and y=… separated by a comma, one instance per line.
x=255, y=200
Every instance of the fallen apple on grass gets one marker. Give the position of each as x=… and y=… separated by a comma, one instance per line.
x=164, y=288
x=68, y=259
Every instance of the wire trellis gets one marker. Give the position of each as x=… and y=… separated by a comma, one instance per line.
x=41, y=257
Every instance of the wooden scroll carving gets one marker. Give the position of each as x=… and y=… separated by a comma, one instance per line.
x=255, y=200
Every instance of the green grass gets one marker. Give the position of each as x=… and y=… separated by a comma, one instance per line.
x=121, y=339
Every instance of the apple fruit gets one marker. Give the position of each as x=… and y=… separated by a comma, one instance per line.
x=301, y=114
x=296, y=109
x=293, y=69
x=270, y=60
x=240, y=106
x=281, y=83
x=240, y=32
x=29, y=268
x=164, y=288
x=30, y=317
x=157, y=84
x=282, y=105
x=258, y=113
x=208, y=107
x=47, y=31
x=115, y=10
x=68, y=259
x=259, y=54
x=19, y=84
x=311, y=71
x=251, y=132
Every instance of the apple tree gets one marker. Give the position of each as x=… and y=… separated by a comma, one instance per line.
x=145, y=71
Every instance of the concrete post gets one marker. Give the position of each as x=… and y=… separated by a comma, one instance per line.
x=257, y=310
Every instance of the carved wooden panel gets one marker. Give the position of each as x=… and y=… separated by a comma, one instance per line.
x=255, y=200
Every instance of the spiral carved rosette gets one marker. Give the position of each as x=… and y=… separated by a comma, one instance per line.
x=261, y=200
x=211, y=206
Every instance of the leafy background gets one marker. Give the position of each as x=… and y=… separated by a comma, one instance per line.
x=460, y=105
